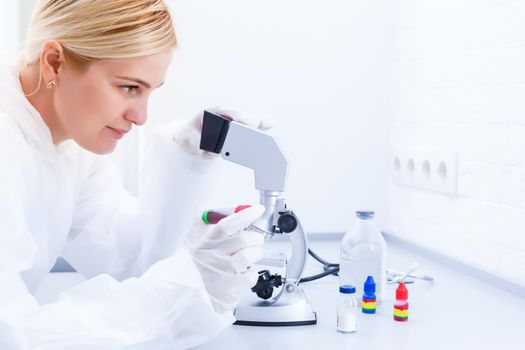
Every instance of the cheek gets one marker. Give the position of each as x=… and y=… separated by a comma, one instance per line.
x=84, y=105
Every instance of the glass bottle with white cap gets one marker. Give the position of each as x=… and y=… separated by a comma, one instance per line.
x=363, y=254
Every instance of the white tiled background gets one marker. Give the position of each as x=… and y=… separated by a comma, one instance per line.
x=458, y=84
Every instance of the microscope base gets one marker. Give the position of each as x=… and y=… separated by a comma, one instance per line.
x=291, y=309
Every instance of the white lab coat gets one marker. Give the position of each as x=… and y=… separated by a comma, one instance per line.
x=143, y=291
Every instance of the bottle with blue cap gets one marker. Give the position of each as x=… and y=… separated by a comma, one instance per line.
x=369, y=296
x=346, y=309
x=363, y=254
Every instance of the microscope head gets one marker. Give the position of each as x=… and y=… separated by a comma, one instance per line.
x=249, y=147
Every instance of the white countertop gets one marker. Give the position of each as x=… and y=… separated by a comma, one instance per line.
x=456, y=312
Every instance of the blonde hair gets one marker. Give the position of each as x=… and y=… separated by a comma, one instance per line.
x=91, y=30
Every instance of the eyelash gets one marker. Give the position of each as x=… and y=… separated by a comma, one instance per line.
x=130, y=89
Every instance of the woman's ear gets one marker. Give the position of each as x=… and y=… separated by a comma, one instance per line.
x=51, y=60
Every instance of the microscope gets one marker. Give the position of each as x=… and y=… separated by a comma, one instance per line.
x=280, y=300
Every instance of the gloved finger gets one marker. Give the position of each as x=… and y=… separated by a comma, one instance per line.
x=195, y=236
x=234, y=115
x=240, y=285
x=218, y=265
x=193, y=138
x=231, y=245
x=224, y=286
x=244, y=281
x=229, y=264
x=253, y=121
x=235, y=287
x=224, y=268
x=235, y=223
x=266, y=123
x=188, y=135
x=222, y=283
x=244, y=259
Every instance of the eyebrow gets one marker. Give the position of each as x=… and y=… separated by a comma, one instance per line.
x=138, y=81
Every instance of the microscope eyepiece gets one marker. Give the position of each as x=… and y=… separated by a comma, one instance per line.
x=214, y=131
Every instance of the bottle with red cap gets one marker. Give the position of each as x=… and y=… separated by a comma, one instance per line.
x=401, y=304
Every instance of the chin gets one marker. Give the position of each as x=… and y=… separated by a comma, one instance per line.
x=105, y=150
x=100, y=148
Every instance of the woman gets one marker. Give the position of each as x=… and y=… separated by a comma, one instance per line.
x=155, y=279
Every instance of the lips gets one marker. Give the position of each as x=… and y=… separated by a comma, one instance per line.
x=118, y=133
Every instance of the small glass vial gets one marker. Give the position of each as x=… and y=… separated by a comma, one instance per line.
x=346, y=310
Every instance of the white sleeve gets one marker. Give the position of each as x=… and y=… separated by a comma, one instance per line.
x=126, y=234
x=174, y=185
x=104, y=225
x=167, y=306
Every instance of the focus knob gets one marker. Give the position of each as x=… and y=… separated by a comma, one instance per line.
x=287, y=222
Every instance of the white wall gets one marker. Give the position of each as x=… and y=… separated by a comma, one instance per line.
x=458, y=85
x=26, y=8
x=453, y=81
x=319, y=67
x=9, y=21
x=14, y=19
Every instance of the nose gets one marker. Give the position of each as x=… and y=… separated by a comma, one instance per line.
x=137, y=115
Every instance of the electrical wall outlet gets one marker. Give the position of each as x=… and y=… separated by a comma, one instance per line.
x=430, y=170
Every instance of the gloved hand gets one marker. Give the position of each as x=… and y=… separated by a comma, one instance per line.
x=189, y=136
x=224, y=253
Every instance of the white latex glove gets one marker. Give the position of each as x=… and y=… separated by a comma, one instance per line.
x=189, y=137
x=224, y=253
